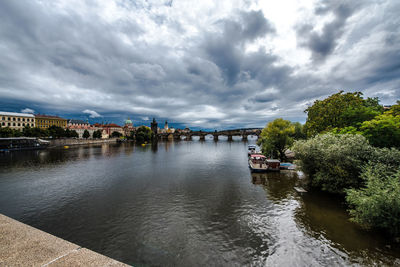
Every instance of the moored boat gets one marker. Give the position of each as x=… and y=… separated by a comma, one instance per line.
x=257, y=163
x=22, y=143
x=273, y=164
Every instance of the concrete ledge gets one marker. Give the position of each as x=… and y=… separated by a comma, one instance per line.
x=23, y=245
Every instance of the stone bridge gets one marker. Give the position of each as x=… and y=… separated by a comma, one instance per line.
x=244, y=133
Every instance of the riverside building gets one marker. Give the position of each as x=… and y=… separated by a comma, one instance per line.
x=80, y=126
x=17, y=121
x=46, y=121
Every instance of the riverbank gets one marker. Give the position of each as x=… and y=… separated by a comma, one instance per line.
x=74, y=141
x=23, y=245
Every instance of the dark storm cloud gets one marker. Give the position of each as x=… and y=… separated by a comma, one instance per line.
x=68, y=60
x=226, y=49
x=323, y=43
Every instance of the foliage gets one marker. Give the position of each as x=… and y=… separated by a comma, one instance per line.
x=143, y=134
x=56, y=132
x=382, y=131
x=378, y=203
x=97, y=134
x=394, y=110
x=299, y=131
x=116, y=134
x=340, y=110
x=333, y=162
x=71, y=133
x=86, y=134
x=276, y=137
x=8, y=132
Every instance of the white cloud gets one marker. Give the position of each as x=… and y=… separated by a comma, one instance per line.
x=27, y=110
x=93, y=114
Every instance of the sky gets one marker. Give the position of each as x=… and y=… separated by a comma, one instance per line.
x=199, y=64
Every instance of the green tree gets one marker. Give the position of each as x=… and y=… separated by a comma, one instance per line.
x=382, y=131
x=86, y=134
x=97, y=134
x=143, y=134
x=333, y=162
x=56, y=132
x=299, y=131
x=6, y=132
x=276, y=137
x=377, y=204
x=116, y=134
x=340, y=110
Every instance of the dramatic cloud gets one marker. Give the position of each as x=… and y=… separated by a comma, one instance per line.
x=207, y=64
x=93, y=114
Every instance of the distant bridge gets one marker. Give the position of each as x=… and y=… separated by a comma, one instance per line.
x=177, y=135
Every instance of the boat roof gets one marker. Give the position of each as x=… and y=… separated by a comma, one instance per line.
x=251, y=146
x=257, y=155
x=273, y=160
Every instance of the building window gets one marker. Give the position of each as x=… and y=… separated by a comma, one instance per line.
x=23, y=124
x=9, y=124
x=4, y=123
x=19, y=119
x=23, y=119
x=19, y=124
x=13, y=119
x=4, y=118
x=13, y=123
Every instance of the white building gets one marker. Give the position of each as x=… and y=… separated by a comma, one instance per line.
x=16, y=121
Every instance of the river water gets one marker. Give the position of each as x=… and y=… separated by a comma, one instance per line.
x=183, y=204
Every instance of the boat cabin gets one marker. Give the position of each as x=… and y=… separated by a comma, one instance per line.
x=273, y=164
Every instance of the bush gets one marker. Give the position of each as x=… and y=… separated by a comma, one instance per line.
x=143, y=134
x=378, y=203
x=333, y=162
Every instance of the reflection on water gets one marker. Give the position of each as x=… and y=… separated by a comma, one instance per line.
x=182, y=203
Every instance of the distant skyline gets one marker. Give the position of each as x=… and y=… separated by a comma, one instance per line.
x=201, y=64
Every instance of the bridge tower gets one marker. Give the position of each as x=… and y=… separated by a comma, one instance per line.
x=154, y=127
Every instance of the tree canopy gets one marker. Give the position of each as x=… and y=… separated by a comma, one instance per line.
x=340, y=110
x=276, y=137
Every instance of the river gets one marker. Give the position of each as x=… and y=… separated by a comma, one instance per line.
x=187, y=203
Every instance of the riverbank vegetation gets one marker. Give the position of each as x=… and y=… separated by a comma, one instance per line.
x=349, y=146
x=51, y=132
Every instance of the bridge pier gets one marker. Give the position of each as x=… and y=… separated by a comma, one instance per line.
x=244, y=137
x=188, y=137
x=202, y=137
x=230, y=138
x=215, y=137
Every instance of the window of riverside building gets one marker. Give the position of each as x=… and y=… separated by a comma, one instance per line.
x=13, y=123
x=13, y=119
x=23, y=119
x=4, y=118
x=9, y=124
x=19, y=119
x=19, y=124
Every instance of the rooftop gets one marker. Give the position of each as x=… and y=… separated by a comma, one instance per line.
x=48, y=117
x=3, y=113
x=77, y=122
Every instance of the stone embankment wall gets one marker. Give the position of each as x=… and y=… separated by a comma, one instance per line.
x=23, y=245
x=73, y=141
